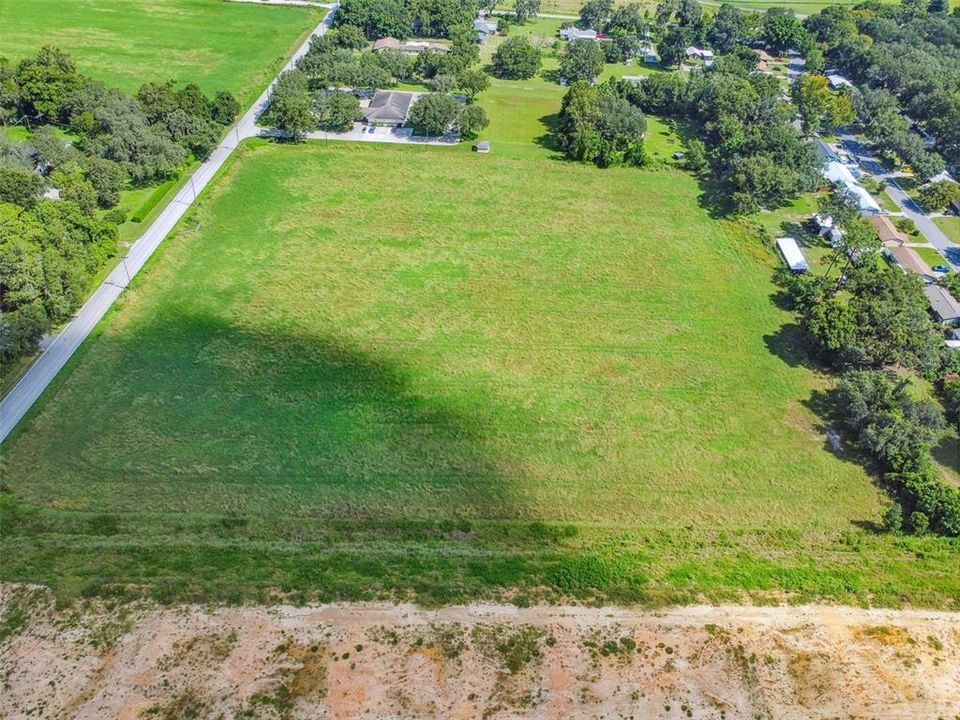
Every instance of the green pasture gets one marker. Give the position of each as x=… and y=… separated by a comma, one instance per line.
x=125, y=43
x=470, y=376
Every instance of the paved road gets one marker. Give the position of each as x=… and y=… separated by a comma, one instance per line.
x=934, y=235
x=59, y=350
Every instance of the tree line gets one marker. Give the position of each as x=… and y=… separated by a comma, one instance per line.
x=871, y=324
x=89, y=142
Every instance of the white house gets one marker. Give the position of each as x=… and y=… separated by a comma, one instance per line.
x=571, y=33
x=840, y=174
x=699, y=54
x=838, y=81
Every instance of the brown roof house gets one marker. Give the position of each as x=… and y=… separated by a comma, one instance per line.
x=909, y=261
x=887, y=231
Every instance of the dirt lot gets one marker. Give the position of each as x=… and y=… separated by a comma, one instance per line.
x=489, y=661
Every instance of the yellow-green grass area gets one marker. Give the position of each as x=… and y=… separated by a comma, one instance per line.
x=489, y=377
x=930, y=255
x=950, y=225
x=801, y=7
x=218, y=45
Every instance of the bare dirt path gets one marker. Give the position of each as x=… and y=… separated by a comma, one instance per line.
x=491, y=661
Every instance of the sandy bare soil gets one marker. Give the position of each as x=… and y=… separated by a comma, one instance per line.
x=480, y=661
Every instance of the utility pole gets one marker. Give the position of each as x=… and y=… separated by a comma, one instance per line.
x=126, y=270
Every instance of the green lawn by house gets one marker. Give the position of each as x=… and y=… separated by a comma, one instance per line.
x=931, y=256
x=489, y=372
x=218, y=45
x=950, y=226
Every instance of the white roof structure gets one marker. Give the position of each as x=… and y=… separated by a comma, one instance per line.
x=572, y=33
x=838, y=81
x=792, y=254
x=840, y=174
x=699, y=53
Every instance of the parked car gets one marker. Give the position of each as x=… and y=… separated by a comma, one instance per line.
x=371, y=129
x=941, y=268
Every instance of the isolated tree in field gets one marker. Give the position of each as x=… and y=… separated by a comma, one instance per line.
x=517, y=59
x=290, y=109
x=938, y=195
x=433, y=114
x=473, y=119
x=336, y=111
x=526, y=9
x=473, y=82
x=582, y=61
x=596, y=13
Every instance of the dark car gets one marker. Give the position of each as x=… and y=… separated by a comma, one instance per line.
x=941, y=268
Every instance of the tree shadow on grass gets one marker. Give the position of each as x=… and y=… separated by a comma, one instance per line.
x=550, y=139
x=207, y=415
x=790, y=345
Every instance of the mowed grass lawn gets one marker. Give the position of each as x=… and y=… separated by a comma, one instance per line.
x=415, y=372
x=218, y=45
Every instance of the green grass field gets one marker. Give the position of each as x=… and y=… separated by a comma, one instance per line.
x=217, y=45
x=950, y=226
x=471, y=374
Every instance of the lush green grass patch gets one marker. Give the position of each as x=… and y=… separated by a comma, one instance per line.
x=950, y=227
x=463, y=382
x=218, y=45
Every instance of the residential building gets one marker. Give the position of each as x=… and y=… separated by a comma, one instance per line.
x=695, y=53
x=389, y=107
x=887, y=231
x=909, y=261
x=573, y=33
x=484, y=28
x=408, y=47
x=944, y=306
x=838, y=81
x=840, y=174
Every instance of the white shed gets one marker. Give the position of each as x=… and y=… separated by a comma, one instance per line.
x=792, y=254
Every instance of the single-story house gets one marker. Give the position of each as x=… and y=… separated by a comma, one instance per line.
x=699, y=54
x=408, y=47
x=887, y=231
x=945, y=307
x=838, y=81
x=637, y=79
x=840, y=174
x=825, y=151
x=389, y=107
x=763, y=56
x=481, y=146
x=484, y=28
x=792, y=254
x=909, y=261
x=573, y=33
x=944, y=176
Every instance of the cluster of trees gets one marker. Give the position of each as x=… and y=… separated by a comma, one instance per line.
x=905, y=59
x=899, y=431
x=340, y=59
x=747, y=137
x=597, y=125
x=583, y=60
x=936, y=196
x=50, y=249
x=437, y=113
x=819, y=108
x=870, y=319
x=517, y=59
x=401, y=18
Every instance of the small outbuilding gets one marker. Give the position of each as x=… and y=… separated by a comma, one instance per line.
x=481, y=146
x=792, y=254
x=573, y=33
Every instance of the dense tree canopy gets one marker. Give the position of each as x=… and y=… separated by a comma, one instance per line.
x=583, y=60
x=517, y=59
x=599, y=126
